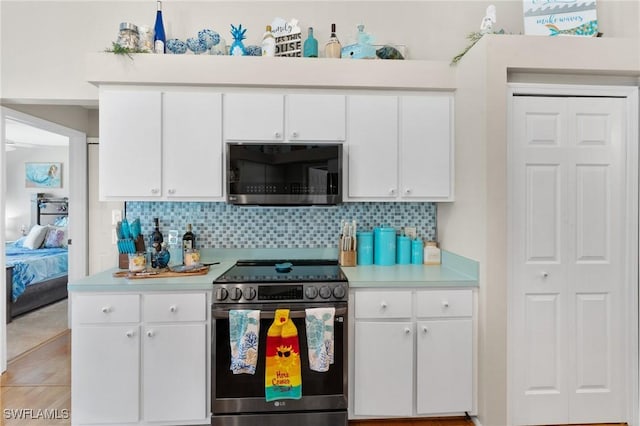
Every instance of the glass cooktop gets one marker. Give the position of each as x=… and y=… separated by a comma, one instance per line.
x=294, y=271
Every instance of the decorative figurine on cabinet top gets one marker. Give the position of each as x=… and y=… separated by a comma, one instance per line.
x=363, y=49
x=237, y=47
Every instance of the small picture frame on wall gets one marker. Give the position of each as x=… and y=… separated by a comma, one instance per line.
x=43, y=175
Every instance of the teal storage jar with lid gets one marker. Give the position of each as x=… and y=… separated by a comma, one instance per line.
x=384, y=246
x=365, y=247
x=403, y=250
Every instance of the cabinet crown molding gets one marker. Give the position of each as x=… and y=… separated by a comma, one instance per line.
x=212, y=70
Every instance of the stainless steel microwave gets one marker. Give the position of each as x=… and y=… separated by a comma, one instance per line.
x=284, y=174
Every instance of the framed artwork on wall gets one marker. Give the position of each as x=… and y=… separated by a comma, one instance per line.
x=560, y=18
x=43, y=175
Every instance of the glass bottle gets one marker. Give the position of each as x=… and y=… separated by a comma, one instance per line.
x=188, y=240
x=333, y=48
x=163, y=257
x=156, y=236
x=310, y=49
x=159, y=38
x=268, y=43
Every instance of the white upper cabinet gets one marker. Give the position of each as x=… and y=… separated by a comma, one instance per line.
x=372, y=147
x=260, y=117
x=192, y=144
x=426, y=147
x=160, y=145
x=400, y=148
x=316, y=118
x=130, y=141
x=253, y=117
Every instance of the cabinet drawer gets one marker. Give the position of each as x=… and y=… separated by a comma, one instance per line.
x=383, y=304
x=175, y=307
x=445, y=303
x=105, y=308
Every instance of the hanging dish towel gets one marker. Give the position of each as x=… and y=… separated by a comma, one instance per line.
x=282, y=379
x=244, y=329
x=319, y=324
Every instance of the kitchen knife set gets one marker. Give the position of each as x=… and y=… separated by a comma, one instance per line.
x=129, y=240
x=347, y=243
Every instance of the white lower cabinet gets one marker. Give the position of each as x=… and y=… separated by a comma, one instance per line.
x=412, y=353
x=140, y=358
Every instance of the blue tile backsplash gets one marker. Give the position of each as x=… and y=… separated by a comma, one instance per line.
x=221, y=225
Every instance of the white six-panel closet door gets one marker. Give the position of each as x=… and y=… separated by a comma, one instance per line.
x=567, y=211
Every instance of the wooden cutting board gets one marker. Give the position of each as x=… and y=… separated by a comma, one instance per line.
x=163, y=273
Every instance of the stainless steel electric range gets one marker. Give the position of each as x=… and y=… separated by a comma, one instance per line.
x=267, y=285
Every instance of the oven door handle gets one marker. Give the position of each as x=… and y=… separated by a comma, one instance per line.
x=224, y=313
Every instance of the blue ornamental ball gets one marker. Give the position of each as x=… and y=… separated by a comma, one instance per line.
x=176, y=46
x=253, y=50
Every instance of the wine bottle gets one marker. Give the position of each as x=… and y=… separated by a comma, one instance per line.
x=310, y=49
x=268, y=43
x=156, y=236
x=159, y=38
x=188, y=239
x=333, y=48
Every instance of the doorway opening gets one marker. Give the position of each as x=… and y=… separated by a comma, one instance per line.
x=54, y=199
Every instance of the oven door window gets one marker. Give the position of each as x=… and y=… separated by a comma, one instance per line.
x=229, y=385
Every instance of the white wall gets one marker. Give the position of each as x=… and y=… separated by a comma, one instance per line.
x=18, y=197
x=48, y=62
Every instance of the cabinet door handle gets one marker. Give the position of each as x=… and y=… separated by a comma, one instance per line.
x=277, y=135
x=294, y=134
x=172, y=191
x=445, y=304
x=155, y=191
x=106, y=309
x=545, y=274
x=425, y=329
x=150, y=333
x=383, y=305
x=407, y=330
x=172, y=308
x=129, y=333
x=407, y=191
x=392, y=191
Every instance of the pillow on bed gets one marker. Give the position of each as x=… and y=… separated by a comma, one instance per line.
x=35, y=237
x=55, y=238
x=61, y=221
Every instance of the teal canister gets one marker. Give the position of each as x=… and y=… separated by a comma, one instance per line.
x=384, y=246
x=417, y=253
x=403, y=250
x=365, y=247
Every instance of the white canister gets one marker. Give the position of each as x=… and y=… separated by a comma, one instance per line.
x=431, y=253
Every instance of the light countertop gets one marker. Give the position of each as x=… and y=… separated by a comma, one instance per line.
x=455, y=271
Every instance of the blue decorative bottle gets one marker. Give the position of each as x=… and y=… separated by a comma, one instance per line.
x=310, y=49
x=159, y=38
x=162, y=258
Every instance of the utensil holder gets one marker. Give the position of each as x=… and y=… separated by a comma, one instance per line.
x=347, y=258
x=123, y=261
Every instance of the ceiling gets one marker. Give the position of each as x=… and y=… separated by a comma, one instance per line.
x=21, y=135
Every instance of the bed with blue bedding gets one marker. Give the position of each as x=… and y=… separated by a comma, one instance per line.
x=35, y=277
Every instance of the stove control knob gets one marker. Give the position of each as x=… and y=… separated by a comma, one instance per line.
x=311, y=292
x=250, y=293
x=339, y=292
x=221, y=294
x=325, y=292
x=236, y=293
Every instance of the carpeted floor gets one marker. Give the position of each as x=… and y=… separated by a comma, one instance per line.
x=30, y=330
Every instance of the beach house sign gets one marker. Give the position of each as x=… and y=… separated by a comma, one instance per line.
x=560, y=17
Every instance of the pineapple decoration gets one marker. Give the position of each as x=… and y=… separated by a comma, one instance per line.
x=237, y=48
